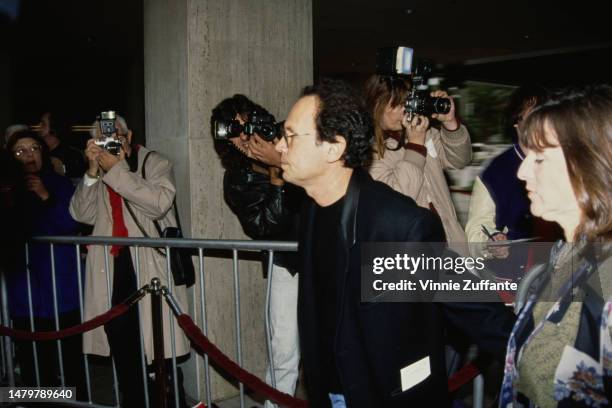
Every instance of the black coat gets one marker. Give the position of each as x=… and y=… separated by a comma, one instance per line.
x=374, y=341
x=265, y=211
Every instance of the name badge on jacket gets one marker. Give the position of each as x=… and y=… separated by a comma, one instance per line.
x=415, y=373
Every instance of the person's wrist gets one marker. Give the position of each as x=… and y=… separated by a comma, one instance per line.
x=451, y=125
x=277, y=181
x=92, y=173
x=416, y=139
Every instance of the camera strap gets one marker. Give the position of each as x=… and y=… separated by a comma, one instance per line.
x=155, y=222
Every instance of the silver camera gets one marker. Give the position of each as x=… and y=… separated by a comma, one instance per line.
x=108, y=140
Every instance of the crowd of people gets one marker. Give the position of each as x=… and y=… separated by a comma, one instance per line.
x=120, y=195
x=345, y=169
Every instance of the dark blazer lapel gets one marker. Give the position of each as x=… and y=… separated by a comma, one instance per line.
x=348, y=220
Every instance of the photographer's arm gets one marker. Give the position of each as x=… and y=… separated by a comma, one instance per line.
x=452, y=141
x=153, y=196
x=264, y=151
x=402, y=170
x=481, y=212
x=455, y=148
x=83, y=204
x=260, y=208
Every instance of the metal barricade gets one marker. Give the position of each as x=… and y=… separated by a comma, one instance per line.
x=200, y=316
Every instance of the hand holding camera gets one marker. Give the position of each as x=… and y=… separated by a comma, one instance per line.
x=416, y=128
x=108, y=139
x=257, y=123
x=98, y=157
x=400, y=62
x=107, y=160
x=107, y=149
x=92, y=151
x=263, y=151
x=448, y=118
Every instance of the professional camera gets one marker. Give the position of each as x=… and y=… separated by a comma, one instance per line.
x=108, y=131
x=419, y=102
x=258, y=122
x=399, y=61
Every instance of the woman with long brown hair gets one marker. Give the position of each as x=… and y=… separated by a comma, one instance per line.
x=560, y=350
x=410, y=155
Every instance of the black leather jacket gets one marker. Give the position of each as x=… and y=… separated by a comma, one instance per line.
x=265, y=211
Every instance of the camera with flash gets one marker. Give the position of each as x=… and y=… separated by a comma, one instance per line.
x=399, y=61
x=108, y=131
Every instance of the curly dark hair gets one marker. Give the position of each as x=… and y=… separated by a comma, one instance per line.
x=227, y=110
x=341, y=111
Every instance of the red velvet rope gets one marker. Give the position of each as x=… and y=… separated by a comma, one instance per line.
x=71, y=331
x=202, y=344
x=462, y=377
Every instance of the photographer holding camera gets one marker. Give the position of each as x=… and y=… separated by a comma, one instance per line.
x=126, y=189
x=411, y=154
x=267, y=208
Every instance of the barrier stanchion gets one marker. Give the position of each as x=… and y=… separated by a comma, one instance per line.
x=158, y=342
x=203, y=345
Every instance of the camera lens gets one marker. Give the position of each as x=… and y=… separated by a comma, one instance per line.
x=267, y=132
x=440, y=105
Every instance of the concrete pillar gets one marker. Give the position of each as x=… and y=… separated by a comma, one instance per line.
x=198, y=52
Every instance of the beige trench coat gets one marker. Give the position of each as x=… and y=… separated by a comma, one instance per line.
x=150, y=199
x=422, y=178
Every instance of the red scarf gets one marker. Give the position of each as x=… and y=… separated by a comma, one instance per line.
x=119, y=228
x=116, y=202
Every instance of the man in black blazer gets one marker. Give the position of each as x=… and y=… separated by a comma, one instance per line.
x=352, y=351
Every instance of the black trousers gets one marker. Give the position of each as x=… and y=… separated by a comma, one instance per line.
x=124, y=341
x=48, y=357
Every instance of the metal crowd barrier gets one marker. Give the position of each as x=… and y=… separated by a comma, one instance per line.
x=198, y=289
x=200, y=314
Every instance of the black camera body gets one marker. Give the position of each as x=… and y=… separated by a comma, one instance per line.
x=399, y=61
x=419, y=102
x=261, y=123
x=108, y=131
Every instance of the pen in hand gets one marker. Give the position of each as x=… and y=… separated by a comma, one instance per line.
x=487, y=233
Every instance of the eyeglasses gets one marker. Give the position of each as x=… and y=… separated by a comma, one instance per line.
x=23, y=150
x=289, y=137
